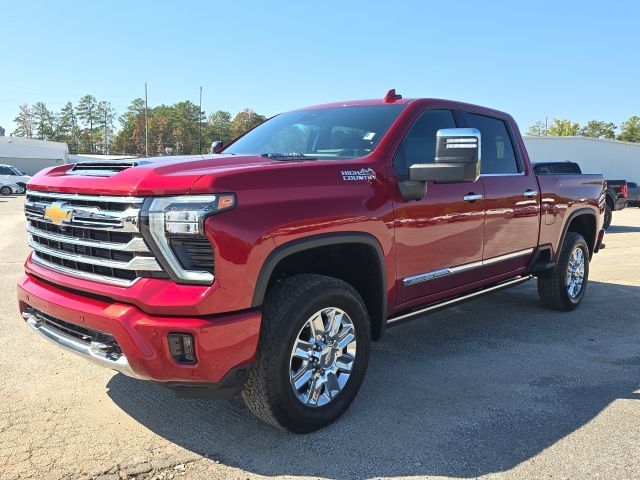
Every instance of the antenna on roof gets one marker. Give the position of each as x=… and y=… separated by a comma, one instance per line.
x=392, y=96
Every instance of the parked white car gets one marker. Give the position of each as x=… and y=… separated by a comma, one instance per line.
x=10, y=188
x=9, y=174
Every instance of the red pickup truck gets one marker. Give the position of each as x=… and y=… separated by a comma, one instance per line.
x=269, y=267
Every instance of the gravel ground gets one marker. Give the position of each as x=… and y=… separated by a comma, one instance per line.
x=498, y=387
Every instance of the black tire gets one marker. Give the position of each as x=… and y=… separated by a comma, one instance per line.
x=608, y=215
x=288, y=305
x=553, y=289
x=6, y=190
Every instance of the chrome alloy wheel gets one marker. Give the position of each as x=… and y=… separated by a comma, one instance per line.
x=322, y=357
x=575, y=272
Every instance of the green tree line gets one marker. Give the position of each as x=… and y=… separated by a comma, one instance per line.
x=89, y=126
x=629, y=130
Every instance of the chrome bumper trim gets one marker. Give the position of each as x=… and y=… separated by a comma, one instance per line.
x=91, y=353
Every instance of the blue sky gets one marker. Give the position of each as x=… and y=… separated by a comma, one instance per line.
x=578, y=60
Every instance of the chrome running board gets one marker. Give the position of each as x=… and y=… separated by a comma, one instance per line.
x=453, y=301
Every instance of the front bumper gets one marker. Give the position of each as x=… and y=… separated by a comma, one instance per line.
x=224, y=345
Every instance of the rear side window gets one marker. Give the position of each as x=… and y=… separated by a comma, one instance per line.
x=542, y=169
x=497, y=153
x=557, y=168
x=419, y=145
x=566, y=168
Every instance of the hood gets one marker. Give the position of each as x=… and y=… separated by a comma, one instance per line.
x=142, y=176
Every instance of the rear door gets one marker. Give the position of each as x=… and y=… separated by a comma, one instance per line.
x=511, y=201
x=439, y=237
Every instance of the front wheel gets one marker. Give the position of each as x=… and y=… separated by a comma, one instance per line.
x=313, y=353
x=564, y=289
x=6, y=190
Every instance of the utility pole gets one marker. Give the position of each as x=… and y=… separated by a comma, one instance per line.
x=200, y=124
x=106, y=128
x=546, y=125
x=91, y=126
x=146, y=123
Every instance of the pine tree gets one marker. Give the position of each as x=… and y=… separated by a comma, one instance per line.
x=43, y=122
x=106, y=114
x=68, y=130
x=24, y=122
x=87, y=112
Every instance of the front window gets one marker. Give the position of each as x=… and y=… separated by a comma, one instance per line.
x=323, y=133
x=497, y=152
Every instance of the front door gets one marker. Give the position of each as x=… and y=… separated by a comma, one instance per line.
x=439, y=238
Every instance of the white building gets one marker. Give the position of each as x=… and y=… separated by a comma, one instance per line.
x=30, y=155
x=614, y=159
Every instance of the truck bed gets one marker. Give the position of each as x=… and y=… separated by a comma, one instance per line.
x=563, y=195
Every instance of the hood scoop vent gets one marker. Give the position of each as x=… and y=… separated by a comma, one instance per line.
x=100, y=169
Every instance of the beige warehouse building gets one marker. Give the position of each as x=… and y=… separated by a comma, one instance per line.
x=30, y=155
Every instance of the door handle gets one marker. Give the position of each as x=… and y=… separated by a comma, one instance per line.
x=472, y=197
x=530, y=193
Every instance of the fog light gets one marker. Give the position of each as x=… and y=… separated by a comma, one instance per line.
x=181, y=348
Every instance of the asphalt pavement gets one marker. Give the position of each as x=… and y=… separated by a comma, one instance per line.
x=498, y=387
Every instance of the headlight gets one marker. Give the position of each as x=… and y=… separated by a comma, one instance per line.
x=182, y=217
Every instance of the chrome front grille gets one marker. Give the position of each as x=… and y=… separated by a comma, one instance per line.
x=98, y=240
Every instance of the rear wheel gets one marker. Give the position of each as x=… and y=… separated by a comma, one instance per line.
x=313, y=353
x=565, y=288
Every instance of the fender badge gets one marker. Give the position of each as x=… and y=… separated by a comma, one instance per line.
x=356, y=175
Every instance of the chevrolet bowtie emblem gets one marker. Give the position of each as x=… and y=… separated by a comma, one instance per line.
x=56, y=212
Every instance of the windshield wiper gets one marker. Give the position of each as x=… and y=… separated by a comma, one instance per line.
x=287, y=156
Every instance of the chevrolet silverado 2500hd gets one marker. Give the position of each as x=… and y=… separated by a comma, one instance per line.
x=267, y=269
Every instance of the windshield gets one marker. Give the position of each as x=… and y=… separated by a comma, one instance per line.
x=336, y=132
x=17, y=172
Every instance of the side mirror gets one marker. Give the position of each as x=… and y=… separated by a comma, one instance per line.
x=216, y=147
x=457, y=158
